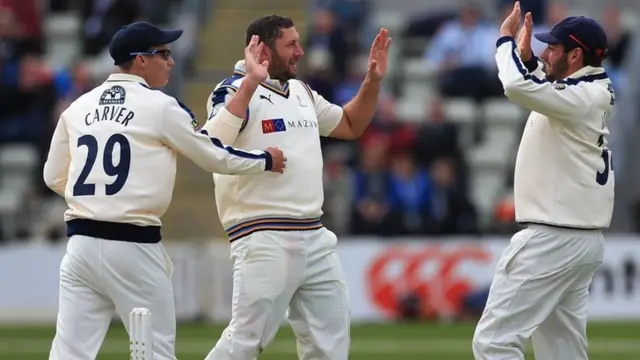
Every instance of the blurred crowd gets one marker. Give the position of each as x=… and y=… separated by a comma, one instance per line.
x=400, y=178
x=407, y=178
x=33, y=93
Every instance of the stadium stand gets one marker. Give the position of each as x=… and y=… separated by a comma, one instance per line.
x=445, y=151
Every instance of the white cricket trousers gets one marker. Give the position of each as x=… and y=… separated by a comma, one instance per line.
x=99, y=277
x=540, y=291
x=278, y=270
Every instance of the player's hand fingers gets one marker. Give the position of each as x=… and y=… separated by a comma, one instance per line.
x=252, y=42
x=387, y=45
x=528, y=24
x=257, y=48
x=375, y=43
x=383, y=38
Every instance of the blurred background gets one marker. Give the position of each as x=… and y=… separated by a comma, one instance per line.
x=422, y=203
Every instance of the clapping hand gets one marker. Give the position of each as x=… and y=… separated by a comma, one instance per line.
x=511, y=24
x=524, y=38
x=256, y=70
x=378, y=56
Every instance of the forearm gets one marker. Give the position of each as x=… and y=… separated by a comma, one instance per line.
x=359, y=111
x=224, y=126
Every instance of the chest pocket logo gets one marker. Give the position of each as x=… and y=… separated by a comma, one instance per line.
x=300, y=102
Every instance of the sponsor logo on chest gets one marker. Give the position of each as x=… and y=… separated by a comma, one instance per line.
x=279, y=125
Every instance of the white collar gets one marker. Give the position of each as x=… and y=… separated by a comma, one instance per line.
x=126, y=77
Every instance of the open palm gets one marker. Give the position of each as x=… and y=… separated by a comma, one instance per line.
x=255, y=69
x=378, y=56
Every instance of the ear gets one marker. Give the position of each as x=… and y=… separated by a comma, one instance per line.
x=576, y=55
x=266, y=53
x=143, y=60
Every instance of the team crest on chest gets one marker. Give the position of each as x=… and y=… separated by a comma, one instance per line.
x=300, y=102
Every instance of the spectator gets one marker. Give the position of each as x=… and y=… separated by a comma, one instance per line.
x=70, y=84
x=463, y=53
x=327, y=36
x=26, y=86
x=348, y=87
x=337, y=190
x=619, y=39
x=438, y=137
x=102, y=18
x=370, y=209
x=452, y=213
x=410, y=195
x=386, y=123
x=28, y=22
x=354, y=14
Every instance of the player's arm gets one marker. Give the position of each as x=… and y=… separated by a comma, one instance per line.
x=228, y=110
x=208, y=153
x=356, y=115
x=522, y=87
x=56, y=168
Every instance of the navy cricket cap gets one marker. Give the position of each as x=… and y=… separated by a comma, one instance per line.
x=138, y=37
x=577, y=31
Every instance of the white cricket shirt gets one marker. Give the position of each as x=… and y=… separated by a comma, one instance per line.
x=563, y=173
x=293, y=118
x=113, y=157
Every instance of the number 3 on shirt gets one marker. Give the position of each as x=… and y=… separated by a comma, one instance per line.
x=603, y=177
x=120, y=171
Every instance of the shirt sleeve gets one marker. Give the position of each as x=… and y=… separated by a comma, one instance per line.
x=219, y=98
x=56, y=168
x=208, y=153
x=222, y=124
x=328, y=114
x=559, y=100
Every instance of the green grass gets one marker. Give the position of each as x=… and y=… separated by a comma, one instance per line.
x=371, y=342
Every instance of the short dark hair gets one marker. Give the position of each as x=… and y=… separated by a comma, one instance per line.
x=588, y=58
x=268, y=28
x=127, y=65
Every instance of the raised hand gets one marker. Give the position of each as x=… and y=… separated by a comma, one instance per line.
x=511, y=24
x=524, y=38
x=378, y=56
x=256, y=70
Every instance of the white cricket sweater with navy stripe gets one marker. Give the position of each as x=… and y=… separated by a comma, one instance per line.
x=113, y=154
x=291, y=117
x=563, y=173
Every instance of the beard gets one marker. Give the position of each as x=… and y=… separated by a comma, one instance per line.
x=279, y=69
x=557, y=70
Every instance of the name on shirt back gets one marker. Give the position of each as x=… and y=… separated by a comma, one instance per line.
x=118, y=114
